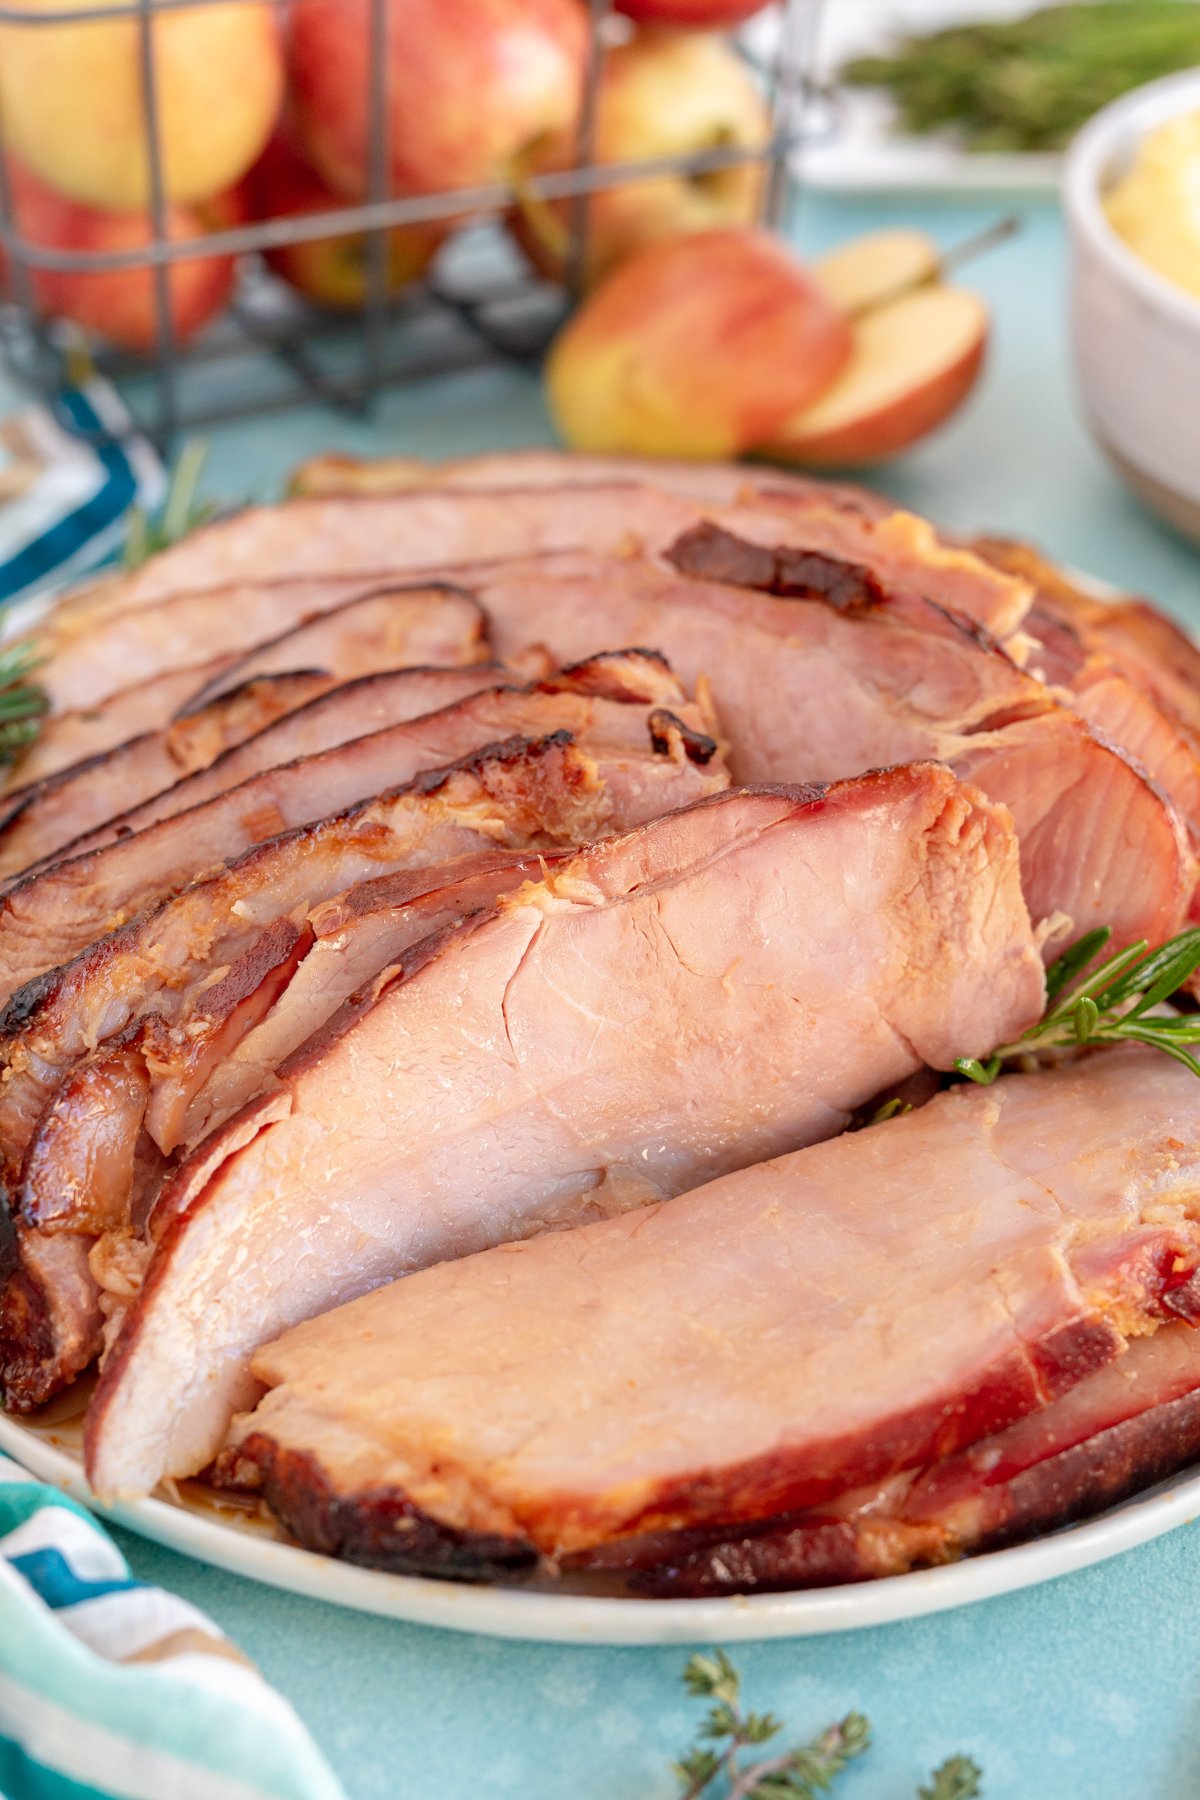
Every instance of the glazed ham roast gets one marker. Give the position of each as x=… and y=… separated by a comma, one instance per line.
x=885, y=1302
x=674, y=1003
x=364, y=894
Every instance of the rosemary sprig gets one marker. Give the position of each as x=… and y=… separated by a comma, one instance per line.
x=727, y=1731
x=22, y=702
x=1115, y=1003
x=180, y=512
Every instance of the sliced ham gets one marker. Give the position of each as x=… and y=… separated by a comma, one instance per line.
x=672, y=1004
x=38, y=820
x=440, y=532
x=819, y=670
x=766, y=1344
x=430, y=623
x=354, y=709
x=71, y=738
x=50, y=916
x=81, y=1061
x=1131, y=1423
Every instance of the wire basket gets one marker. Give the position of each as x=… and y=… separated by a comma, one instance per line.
x=271, y=349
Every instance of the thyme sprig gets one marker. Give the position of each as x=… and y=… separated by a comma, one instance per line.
x=1115, y=1003
x=728, y=1731
x=22, y=702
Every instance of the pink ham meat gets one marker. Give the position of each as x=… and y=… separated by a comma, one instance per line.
x=430, y=623
x=771, y=1342
x=176, y=988
x=677, y=1002
x=324, y=716
x=819, y=671
x=50, y=916
x=38, y=820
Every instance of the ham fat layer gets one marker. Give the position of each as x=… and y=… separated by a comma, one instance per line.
x=668, y=1006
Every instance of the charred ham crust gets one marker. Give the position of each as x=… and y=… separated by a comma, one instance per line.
x=378, y=1527
x=710, y=553
x=667, y=727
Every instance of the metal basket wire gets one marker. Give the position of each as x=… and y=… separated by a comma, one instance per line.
x=301, y=352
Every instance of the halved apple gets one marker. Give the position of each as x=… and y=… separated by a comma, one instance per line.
x=913, y=364
x=880, y=267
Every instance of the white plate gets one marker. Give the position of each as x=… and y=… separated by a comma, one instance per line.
x=229, y=1536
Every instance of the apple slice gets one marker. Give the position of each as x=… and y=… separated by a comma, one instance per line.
x=880, y=267
x=913, y=364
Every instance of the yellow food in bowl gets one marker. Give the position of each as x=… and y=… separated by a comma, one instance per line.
x=1155, y=206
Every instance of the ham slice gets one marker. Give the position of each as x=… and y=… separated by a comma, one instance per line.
x=1131, y=1423
x=191, y=977
x=432, y=623
x=819, y=671
x=354, y=709
x=38, y=820
x=768, y=1343
x=440, y=532
x=51, y=916
x=672, y=1004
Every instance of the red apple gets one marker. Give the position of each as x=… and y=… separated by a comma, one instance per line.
x=472, y=84
x=711, y=15
x=701, y=346
x=330, y=270
x=914, y=363
x=119, y=304
x=665, y=93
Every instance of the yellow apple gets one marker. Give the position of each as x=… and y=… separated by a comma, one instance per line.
x=666, y=93
x=914, y=363
x=72, y=105
x=700, y=346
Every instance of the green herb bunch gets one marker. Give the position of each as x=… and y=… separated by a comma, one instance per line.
x=1029, y=83
x=22, y=702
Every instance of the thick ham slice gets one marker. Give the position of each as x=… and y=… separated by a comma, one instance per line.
x=48, y=917
x=675, y=1003
x=175, y=989
x=1122, y=1428
x=819, y=670
x=38, y=820
x=765, y=1344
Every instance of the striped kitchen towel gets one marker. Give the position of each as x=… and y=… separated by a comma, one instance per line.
x=112, y=1690
x=68, y=478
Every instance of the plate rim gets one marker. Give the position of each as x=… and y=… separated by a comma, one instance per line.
x=601, y=1620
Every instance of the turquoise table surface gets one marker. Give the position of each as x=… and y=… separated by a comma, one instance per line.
x=1087, y=1687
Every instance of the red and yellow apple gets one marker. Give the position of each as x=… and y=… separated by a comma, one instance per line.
x=664, y=93
x=332, y=271
x=119, y=304
x=472, y=84
x=73, y=109
x=700, y=346
x=710, y=15
x=914, y=362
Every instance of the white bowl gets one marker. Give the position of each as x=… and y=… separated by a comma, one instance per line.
x=1136, y=337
